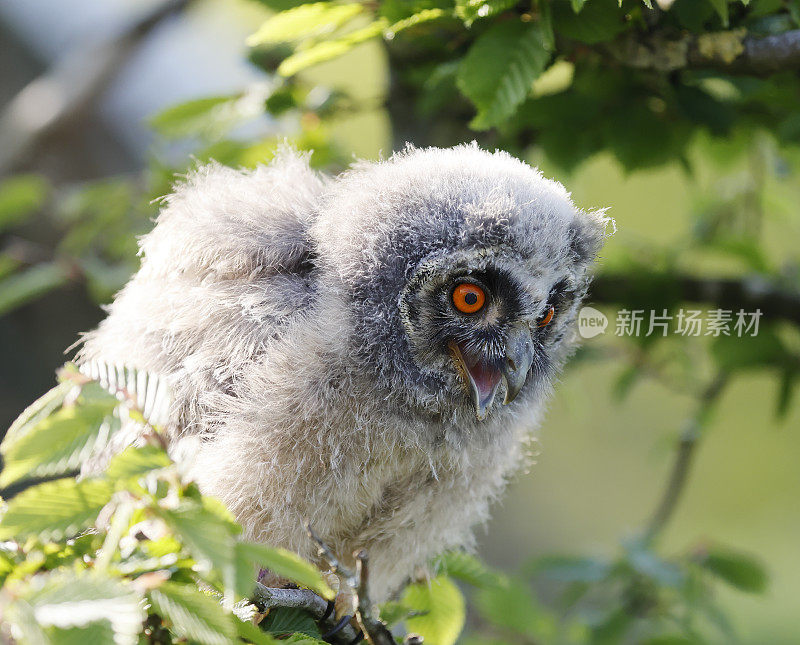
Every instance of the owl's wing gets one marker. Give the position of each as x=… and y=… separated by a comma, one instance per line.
x=226, y=268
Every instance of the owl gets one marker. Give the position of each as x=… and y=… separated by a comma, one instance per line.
x=368, y=352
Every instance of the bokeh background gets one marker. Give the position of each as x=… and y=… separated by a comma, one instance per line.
x=601, y=458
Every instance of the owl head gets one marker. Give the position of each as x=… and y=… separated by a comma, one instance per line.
x=461, y=272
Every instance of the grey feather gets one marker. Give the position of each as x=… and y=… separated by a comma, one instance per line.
x=299, y=321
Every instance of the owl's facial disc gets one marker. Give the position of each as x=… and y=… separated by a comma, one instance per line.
x=483, y=375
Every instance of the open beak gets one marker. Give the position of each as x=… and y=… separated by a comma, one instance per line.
x=483, y=376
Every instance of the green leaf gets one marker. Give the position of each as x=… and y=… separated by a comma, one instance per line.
x=570, y=568
x=38, y=410
x=737, y=569
x=136, y=461
x=285, y=620
x=577, y=5
x=598, y=21
x=61, y=442
x=66, y=599
x=306, y=21
x=511, y=605
x=498, y=71
x=209, y=538
x=471, y=10
x=21, y=197
x=721, y=7
x=284, y=563
x=253, y=633
x=54, y=510
x=193, y=614
x=467, y=568
x=27, y=285
x=189, y=118
x=747, y=352
x=329, y=49
x=444, y=610
x=99, y=632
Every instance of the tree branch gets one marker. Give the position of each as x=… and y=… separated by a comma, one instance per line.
x=53, y=100
x=748, y=293
x=317, y=607
x=733, y=52
x=681, y=467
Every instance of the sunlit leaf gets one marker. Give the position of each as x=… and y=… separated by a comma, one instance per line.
x=193, y=614
x=444, y=610
x=66, y=600
x=328, y=49
x=306, y=21
x=283, y=563
x=471, y=10
x=61, y=442
x=55, y=509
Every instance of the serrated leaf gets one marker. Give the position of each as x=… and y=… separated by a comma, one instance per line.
x=54, y=510
x=328, y=49
x=498, y=71
x=21, y=197
x=282, y=562
x=38, y=410
x=136, y=461
x=471, y=10
x=147, y=391
x=444, y=610
x=66, y=599
x=193, y=614
x=61, y=442
x=291, y=620
x=306, y=21
x=27, y=285
x=737, y=569
x=209, y=538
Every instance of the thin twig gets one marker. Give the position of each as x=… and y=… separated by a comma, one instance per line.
x=681, y=467
x=374, y=630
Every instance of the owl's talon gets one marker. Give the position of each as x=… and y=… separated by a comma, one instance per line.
x=328, y=611
x=343, y=622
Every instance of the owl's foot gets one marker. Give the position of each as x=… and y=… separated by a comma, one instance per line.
x=365, y=615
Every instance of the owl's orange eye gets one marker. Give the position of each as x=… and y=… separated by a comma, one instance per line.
x=468, y=298
x=546, y=318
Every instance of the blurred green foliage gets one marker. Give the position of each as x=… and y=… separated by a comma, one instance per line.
x=554, y=81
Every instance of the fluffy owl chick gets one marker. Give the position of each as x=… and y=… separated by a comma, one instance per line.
x=368, y=352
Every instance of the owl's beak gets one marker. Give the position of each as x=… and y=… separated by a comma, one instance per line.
x=518, y=360
x=483, y=375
